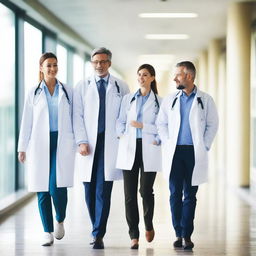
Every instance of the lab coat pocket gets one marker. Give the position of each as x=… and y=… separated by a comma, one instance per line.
x=68, y=142
x=66, y=151
x=126, y=153
x=153, y=161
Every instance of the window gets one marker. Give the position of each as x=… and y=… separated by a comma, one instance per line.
x=88, y=69
x=62, y=55
x=7, y=102
x=32, y=54
x=78, y=69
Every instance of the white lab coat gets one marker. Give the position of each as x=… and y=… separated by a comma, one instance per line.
x=86, y=111
x=151, y=154
x=203, y=124
x=34, y=139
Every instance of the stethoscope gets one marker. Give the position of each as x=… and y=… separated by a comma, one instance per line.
x=38, y=90
x=157, y=105
x=116, y=84
x=199, y=101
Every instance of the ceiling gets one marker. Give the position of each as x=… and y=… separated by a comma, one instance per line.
x=115, y=24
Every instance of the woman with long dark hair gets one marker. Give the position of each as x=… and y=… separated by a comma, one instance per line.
x=139, y=151
x=46, y=143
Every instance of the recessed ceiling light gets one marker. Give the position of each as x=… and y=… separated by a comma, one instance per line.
x=168, y=15
x=167, y=36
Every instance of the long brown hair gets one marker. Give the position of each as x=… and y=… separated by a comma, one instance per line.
x=45, y=56
x=152, y=72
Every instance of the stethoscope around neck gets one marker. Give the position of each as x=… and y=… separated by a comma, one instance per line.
x=38, y=90
x=156, y=101
x=199, y=101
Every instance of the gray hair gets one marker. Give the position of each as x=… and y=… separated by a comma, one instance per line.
x=190, y=68
x=102, y=50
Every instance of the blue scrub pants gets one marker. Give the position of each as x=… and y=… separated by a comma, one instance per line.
x=59, y=195
x=183, y=195
x=98, y=192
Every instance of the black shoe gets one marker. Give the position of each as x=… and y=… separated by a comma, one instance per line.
x=98, y=243
x=188, y=244
x=135, y=244
x=178, y=243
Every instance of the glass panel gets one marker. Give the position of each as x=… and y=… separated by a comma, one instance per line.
x=62, y=55
x=78, y=69
x=7, y=102
x=49, y=44
x=33, y=51
x=88, y=69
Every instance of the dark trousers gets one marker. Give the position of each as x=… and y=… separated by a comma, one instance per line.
x=98, y=192
x=183, y=195
x=59, y=195
x=146, y=191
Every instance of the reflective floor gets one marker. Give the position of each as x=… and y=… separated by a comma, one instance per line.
x=224, y=225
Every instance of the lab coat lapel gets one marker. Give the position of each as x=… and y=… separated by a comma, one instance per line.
x=149, y=101
x=111, y=85
x=61, y=92
x=94, y=94
x=133, y=111
x=194, y=118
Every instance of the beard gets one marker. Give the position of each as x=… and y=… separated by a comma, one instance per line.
x=181, y=87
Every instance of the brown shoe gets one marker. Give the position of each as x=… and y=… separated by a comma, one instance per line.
x=135, y=244
x=150, y=235
x=188, y=244
x=178, y=243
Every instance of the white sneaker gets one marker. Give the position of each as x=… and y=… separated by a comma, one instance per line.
x=59, y=230
x=48, y=239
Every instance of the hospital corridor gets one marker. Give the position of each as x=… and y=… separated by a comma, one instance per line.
x=128, y=127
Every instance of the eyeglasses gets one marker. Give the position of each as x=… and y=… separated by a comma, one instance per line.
x=102, y=62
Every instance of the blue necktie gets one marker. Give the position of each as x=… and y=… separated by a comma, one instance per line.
x=102, y=96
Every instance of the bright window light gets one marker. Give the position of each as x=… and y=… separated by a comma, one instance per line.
x=62, y=55
x=168, y=15
x=167, y=36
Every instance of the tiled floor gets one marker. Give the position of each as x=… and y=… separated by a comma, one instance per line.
x=224, y=225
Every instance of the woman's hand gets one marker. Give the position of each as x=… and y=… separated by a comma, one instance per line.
x=84, y=149
x=136, y=124
x=22, y=157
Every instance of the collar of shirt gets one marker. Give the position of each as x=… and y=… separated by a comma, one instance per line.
x=105, y=78
x=183, y=94
x=44, y=86
x=138, y=93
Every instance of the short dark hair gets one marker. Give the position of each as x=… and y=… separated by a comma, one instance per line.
x=189, y=67
x=102, y=50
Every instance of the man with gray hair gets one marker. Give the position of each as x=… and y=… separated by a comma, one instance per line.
x=97, y=102
x=187, y=124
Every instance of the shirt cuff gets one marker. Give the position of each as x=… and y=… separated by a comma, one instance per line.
x=82, y=142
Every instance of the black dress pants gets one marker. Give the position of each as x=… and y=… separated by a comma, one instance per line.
x=146, y=191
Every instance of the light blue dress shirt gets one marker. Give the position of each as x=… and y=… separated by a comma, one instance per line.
x=139, y=107
x=106, y=78
x=52, y=101
x=185, y=137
